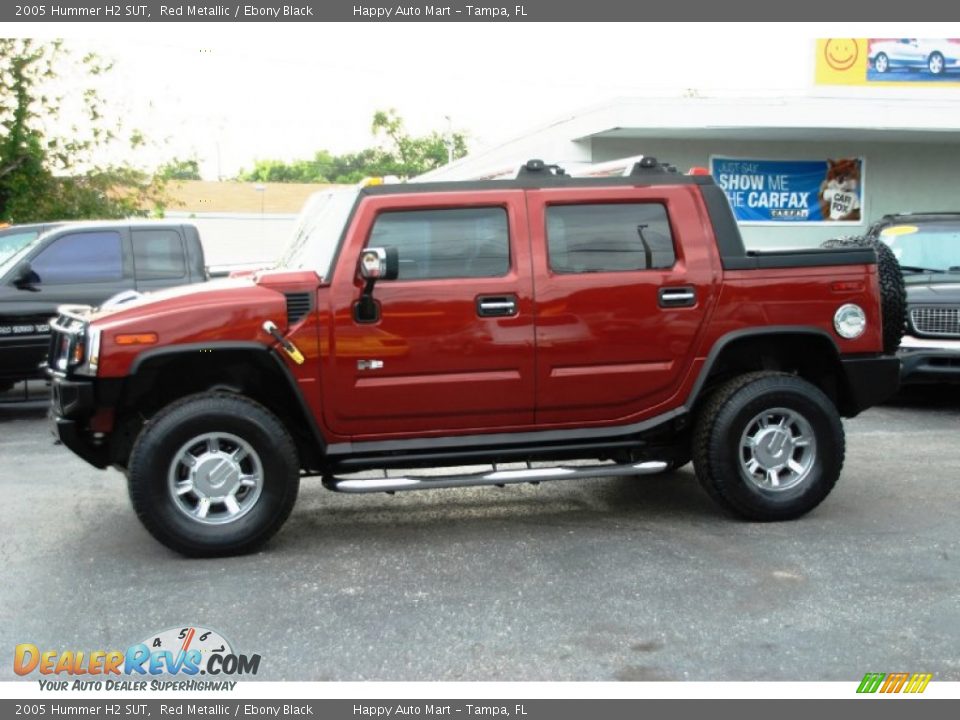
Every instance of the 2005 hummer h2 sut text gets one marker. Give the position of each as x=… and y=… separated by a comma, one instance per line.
x=553, y=327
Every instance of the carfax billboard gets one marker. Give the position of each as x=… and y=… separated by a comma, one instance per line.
x=761, y=191
x=888, y=61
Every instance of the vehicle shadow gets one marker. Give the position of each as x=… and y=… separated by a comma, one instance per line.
x=321, y=516
x=919, y=397
x=25, y=401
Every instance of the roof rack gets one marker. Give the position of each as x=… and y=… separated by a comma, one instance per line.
x=539, y=167
x=637, y=165
x=634, y=166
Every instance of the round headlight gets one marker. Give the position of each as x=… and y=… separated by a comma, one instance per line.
x=850, y=321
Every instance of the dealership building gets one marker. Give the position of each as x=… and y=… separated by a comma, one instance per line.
x=906, y=150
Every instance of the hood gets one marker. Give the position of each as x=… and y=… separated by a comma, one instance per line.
x=228, y=313
x=192, y=295
x=232, y=310
x=934, y=289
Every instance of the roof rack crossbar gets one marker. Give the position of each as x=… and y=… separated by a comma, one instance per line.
x=539, y=167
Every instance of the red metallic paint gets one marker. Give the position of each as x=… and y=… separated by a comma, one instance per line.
x=583, y=350
x=606, y=351
x=444, y=368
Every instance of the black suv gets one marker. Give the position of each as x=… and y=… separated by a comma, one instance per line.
x=928, y=248
x=85, y=263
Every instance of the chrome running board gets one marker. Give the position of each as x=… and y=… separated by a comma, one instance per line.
x=497, y=477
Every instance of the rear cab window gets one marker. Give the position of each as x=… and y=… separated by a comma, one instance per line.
x=158, y=255
x=609, y=237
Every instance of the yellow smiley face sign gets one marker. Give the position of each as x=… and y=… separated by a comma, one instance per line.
x=888, y=62
x=841, y=53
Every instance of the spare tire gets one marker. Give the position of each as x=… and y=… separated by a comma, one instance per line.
x=893, y=291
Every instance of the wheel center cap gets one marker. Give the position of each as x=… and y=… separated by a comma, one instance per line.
x=774, y=447
x=215, y=473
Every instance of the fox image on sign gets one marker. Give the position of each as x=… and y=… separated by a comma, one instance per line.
x=840, y=190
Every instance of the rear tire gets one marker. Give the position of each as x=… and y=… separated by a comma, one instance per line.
x=768, y=446
x=213, y=474
x=935, y=64
x=893, y=290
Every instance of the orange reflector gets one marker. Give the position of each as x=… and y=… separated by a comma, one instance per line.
x=698, y=171
x=847, y=286
x=137, y=339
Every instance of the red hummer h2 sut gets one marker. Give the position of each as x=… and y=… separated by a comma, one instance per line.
x=550, y=327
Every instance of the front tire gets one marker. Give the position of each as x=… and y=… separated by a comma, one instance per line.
x=768, y=446
x=213, y=474
x=935, y=64
x=881, y=64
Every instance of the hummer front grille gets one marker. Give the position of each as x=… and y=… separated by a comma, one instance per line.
x=936, y=321
x=67, y=336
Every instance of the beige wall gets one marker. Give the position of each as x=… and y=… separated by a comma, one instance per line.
x=200, y=196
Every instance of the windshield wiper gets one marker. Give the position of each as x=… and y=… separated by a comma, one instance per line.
x=916, y=269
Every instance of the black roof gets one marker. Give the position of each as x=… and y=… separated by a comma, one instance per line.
x=537, y=174
x=527, y=183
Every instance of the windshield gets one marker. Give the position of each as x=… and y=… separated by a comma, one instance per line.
x=14, y=247
x=925, y=247
x=318, y=231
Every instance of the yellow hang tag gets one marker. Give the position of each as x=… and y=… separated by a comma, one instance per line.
x=293, y=352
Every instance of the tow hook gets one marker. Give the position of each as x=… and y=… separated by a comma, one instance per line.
x=289, y=348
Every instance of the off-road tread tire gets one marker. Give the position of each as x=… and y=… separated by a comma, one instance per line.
x=716, y=480
x=893, y=290
x=280, y=453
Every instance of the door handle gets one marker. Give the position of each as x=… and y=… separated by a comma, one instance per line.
x=497, y=306
x=673, y=297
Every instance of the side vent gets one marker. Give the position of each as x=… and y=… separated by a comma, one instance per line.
x=298, y=305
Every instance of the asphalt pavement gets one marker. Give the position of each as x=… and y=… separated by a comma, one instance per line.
x=608, y=579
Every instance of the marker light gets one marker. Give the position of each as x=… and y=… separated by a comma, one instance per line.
x=137, y=339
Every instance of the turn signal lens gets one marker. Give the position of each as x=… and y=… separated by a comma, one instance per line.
x=77, y=356
x=137, y=339
x=850, y=321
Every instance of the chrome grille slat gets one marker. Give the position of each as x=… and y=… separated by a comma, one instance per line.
x=936, y=321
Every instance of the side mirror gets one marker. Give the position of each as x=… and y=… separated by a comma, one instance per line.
x=24, y=278
x=375, y=264
x=379, y=264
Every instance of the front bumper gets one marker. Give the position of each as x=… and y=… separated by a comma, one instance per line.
x=929, y=361
x=72, y=404
x=870, y=381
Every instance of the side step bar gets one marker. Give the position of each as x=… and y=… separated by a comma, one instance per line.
x=497, y=477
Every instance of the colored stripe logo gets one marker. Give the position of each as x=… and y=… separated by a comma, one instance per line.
x=894, y=682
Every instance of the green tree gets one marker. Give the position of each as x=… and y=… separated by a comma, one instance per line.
x=414, y=155
x=49, y=176
x=178, y=169
x=397, y=153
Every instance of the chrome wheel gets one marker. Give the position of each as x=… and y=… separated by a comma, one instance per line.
x=880, y=64
x=935, y=64
x=215, y=478
x=778, y=449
